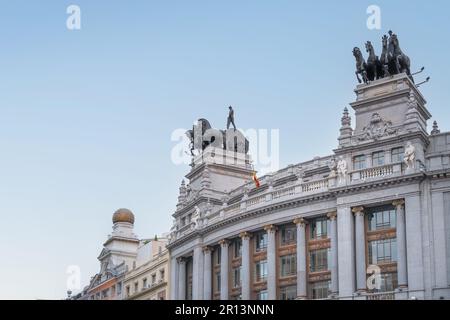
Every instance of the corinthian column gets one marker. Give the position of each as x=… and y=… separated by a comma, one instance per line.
x=334, y=253
x=224, y=269
x=245, y=269
x=401, y=243
x=360, y=246
x=301, y=258
x=271, y=262
x=207, y=261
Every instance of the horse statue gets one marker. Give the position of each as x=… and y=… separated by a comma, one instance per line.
x=384, y=59
x=360, y=65
x=373, y=65
x=397, y=59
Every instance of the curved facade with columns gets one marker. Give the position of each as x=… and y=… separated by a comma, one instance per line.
x=370, y=221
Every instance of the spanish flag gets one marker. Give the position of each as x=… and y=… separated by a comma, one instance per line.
x=255, y=179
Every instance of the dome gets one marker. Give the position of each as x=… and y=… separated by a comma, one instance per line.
x=123, y=215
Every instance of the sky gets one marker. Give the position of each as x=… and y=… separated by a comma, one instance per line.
x=86, y=116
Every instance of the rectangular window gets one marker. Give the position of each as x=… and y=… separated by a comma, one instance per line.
x=217, y=255
x=381, y=218
x=262, y=295
x=319, y=290
x=136, y=287
x=359, y=162
x=119, y=288
x=237, y=248
x=378, y=158
x=261, y=241
x=162, y=274
x=217, y=279
x=288, y=235
x=388, y=282
x=318, y=260
x=397, y=154
x=288, y=266
x=153, y=278
x=382, y=251
x=288, y=293
x=127, y=289
x=318, y=228
x=144, y=283
x=261, y=270
x=237, y=277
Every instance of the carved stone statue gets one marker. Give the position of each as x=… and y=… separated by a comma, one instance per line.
x=410, y=155
x=342, y=170
x=360, y=65
x=333, y=168
x=195, y=218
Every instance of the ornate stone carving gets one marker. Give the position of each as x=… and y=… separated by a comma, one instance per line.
x=332, y=215
x=245, y=235
x=377, y=128
x=358, y=210
x=269, y=228
x=410, y=155
x=435, y=128
x=300, y=221
x=342, y=170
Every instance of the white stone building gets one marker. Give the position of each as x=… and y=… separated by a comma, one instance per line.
x=370, y=221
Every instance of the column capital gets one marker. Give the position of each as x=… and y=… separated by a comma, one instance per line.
x=398, y=203
x=332, y=215
x=207, y=249
x=181, y=259
x=224, y=242
x=270, y=228
x=358, y=211
x=245, y=235
x=300, y=221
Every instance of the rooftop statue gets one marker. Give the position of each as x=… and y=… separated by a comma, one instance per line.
x=392, y=60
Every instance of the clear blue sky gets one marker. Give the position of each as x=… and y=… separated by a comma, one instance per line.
x=86, y=116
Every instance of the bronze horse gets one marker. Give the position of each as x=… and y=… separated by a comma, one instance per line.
x=360, y=66
x=373, y=66
x=398, y=61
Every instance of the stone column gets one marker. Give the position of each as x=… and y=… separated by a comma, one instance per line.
x=224, y=269
x=414, y=246
x=346, y=252
x=197, y=274
x=301, y=258
x=334, y=253
x=173, y=279
x=207, y=270
x=360, y=245
x=245, y=267
x=271, y=262
x=401, y=243
x=182, y=278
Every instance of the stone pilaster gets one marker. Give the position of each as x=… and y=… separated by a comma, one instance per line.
x=245, y=267
x=174, y=269
x=360, y=245
x=401, y=243
x=271, y=262
x=182, y=278
x=301, y=258
x=346, y=253
x=207, y=270
x=224, y=270
x=334, y=254
x=197, y=274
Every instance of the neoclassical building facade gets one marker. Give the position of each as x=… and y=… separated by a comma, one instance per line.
x=130, y=268
x=370, y=221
